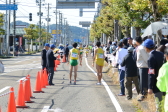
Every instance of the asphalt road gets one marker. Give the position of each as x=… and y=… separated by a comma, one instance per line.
x=86, y=96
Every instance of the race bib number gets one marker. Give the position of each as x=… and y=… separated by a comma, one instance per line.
x=81, y=50
x=100, y=55
x=151, y=71
x=74, y=55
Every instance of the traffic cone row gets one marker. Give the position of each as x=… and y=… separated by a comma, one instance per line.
x=24, y=91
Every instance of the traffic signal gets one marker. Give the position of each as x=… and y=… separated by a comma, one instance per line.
x=30, y=16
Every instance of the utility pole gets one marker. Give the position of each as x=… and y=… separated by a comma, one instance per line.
x=48, y=20
x=14, y=28
x=56, y=27
x=39, y=14
x=60, y=26
x=64, y=31
x=56, y=23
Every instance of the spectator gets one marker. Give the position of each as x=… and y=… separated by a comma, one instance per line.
x=43, y=55
x=16, y=49
x=162, y=80
x=142, y=65
x=155, y=61
x=130, y=42
x=130, y=73
x=125, y=43
x=121, y=53
x=50, y=63
x=66, y=52
x=134, y=52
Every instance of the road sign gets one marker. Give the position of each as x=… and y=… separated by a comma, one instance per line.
x=8, y=7
x=77, y=40
x=85, y=25
x=56, y=32
x=84, y=22
x=73, y=4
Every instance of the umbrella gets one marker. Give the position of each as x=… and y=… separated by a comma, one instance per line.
x=153, y=28
x=165, y=30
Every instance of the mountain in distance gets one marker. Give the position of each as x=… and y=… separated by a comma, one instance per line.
x=77, y=32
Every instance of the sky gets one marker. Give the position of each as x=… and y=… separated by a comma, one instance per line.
x=29, y=6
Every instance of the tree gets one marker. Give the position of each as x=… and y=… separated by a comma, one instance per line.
x=2, y=31
x=31, y=34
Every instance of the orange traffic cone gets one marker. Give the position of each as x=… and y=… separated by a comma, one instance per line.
x=55, y=63
x=27, y=91
x=20, y=102
x=11, y=101
x=29, y=84
x=46, y=77
x=38, y=85
x=42, y=79
x=58, y=61
x=64, y=59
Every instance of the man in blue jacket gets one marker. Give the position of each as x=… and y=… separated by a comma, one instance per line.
x=50, y=63
x=155, y=62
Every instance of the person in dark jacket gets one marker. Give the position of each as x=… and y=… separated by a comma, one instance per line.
x=66, y=52
x=125, y=43
x=43, y=55
x=130, y=73
x=155, y=62
x=50, y=63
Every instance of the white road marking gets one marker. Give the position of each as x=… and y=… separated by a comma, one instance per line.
x=21, y=79
x=112, y=97
x=5, y=88
x=46, y=109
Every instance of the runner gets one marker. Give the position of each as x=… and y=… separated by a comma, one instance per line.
x=86, y=50
x=99, y=58
x=73, y=57
x=81, y=51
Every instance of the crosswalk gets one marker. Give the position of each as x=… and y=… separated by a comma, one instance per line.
x=17, y=67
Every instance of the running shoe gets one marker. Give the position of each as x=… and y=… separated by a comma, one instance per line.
x=134, y=89
x=121, y=94
x=98, y=83
x=74, y=82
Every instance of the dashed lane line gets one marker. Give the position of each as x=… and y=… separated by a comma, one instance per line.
x=112, y=97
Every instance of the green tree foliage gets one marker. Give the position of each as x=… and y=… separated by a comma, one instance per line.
x=2, y=31
x=136, y=13
x=31, y=32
